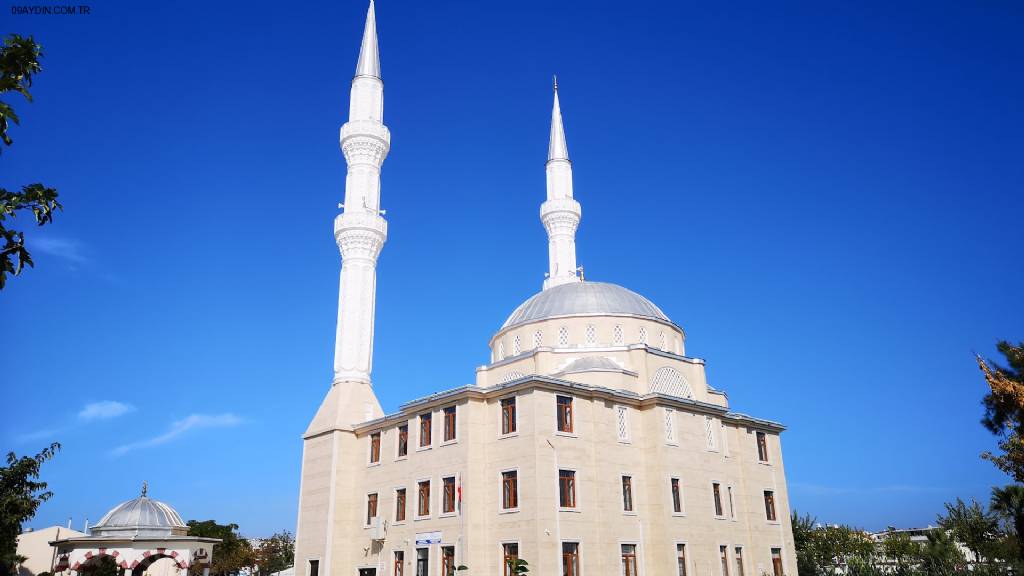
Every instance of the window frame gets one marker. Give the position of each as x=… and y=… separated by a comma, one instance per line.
x=635, y=554
x=429, y=436
x=502, y=493
x=398, y=562
x=686, y=557
x=372, y=508
x=761, y=441
x=509, y=425
x=622, y=424
x=781, y=568
x=445, y=494
x=724, y=560
x=444, y=559
x=420, y=500
x=405, y=504
x=505, y=569
x=739, y=560
x=675, y=486
x=574, y=493
x=575, y=556
x=771, y=510
x=669, y=425
x=718, y=506
x=375, y=441
x=399, y=453
x=628, y=494
x=450, y=424
x=564, y=417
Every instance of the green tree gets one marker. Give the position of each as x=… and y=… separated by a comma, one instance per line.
x=20, y=496
x=19, y=62
x=518, y=566
x=972, y=525
x=231, y=555
x=1008, y=502
x=940, y=555
x=276, y=553
x=902, y=552
x=1004, y=408
x=824, y=550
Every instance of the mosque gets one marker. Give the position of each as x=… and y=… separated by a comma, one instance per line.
x=590, y=445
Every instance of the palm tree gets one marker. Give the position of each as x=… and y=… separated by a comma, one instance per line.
x=1009, y=502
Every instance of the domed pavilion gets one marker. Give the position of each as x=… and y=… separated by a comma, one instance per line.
x=136, y=534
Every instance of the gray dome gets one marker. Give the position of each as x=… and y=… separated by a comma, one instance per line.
x=142, y=516
x=584, y=298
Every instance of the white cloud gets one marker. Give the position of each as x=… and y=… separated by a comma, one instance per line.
x=180, y=427
x=104, y=410
x=66, y=248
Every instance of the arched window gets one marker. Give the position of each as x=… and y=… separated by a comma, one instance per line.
x=669, y=381
x=563, y=336
x=538, y=339
x=617, y=335
x=591, y=335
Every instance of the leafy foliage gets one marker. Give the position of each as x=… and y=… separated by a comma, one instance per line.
x=231, y=555
x=971, y=524
x=1008, y=503
x=20, y=496
x=1004, y=408
x=19, y=62
x=519, y=566
x=276, y=553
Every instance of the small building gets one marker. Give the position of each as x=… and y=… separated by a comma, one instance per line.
x=142, y=537
x=34, y=546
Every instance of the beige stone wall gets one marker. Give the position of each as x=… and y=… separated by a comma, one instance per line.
x=35, y=547
x=537, y=451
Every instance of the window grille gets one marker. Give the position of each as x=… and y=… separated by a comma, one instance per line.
x=516, y=346
x=623, y=423
x=563, y=336
x=617, y=335
x=670, y=425
x=643, y=335
x=591, y=335
x=538, y=339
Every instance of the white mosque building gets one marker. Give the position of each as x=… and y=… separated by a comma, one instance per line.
x=591, y=445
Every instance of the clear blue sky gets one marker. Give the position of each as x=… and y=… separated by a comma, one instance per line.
x=827, y=197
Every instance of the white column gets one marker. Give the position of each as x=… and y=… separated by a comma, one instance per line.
x=360, y=230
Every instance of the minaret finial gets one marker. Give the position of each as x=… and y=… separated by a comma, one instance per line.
x=145, y=488
x=555, y=77
x=557, y=149
x=369, y=58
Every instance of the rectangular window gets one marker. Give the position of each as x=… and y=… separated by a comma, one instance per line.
x=449, y=423
x=762, y=447
x=510, y=553
x=732, y=507
x=508, y=415
x=425, y=426
x=629, y=560
x=570, y=559
x=769, y=505
x=677, y=497
x=424, y=499
x=314, y=568
x=509, y=490
x=564, y=413
x=709, y=430
x=567, y=488
x=723, y=551
x=422, y=561
x=399, y=563
x=627, y=493
x=400, y=505
x=681, y=559
x=403, y=440
x=448, y=502
x=371, y=508
x=777, y=562
x=374, y=447
x=447, y=560
x=739, y=560
x=670, y=425
x=623, y=421
x=717, y=489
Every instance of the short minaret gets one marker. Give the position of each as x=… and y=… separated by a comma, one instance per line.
x=361, y=230
x=560, y=213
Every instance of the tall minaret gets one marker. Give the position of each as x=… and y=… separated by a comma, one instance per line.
x=560, y=213
x=361, y=230
x=330, y=449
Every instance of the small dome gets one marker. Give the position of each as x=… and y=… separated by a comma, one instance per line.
x=584, y=298
x=592, y=364
x=142, y=516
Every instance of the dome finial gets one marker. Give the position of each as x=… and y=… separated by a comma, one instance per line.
x=145, y=488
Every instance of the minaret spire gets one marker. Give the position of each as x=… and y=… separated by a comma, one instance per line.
x=560, y=213
x=369, y=58
x=361, y=229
